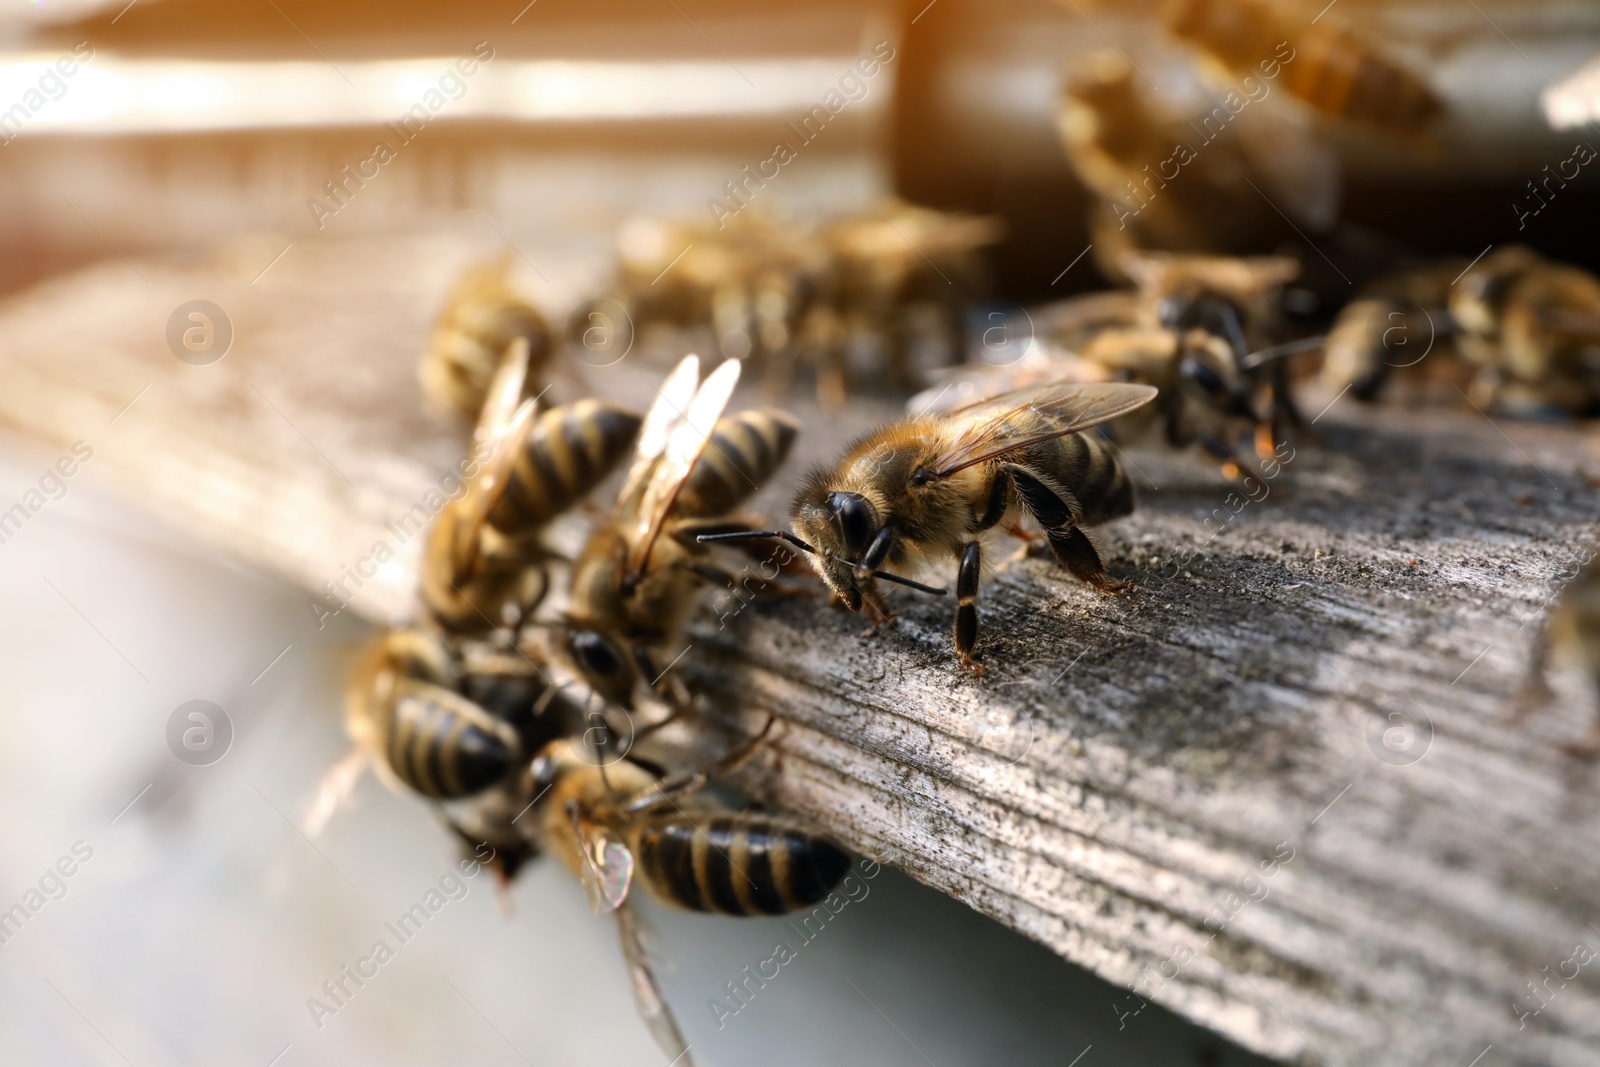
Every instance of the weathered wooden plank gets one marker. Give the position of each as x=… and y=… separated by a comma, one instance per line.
x=1115, y=784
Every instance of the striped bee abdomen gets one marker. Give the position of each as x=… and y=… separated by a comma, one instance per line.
x=570, y=450
x=1085, y=464
x=744, y=451
x=737, y=864
x=443, y=745
x=1336, y=70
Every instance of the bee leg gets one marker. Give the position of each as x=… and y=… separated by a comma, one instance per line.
x=674, y=692
x=1219, y=450
x=709, y=574
x=1070, y=545
x=726, y=764
x=877, y=610
x=1266, y=440
x=1283, y=403
x=1021, y=533
x=966, y=627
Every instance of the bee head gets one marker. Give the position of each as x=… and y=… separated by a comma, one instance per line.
x=1208, y=311
x=1208, y=369
x=841, y=525
x=603, y=664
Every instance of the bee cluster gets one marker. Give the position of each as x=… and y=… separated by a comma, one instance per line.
x=507, y=718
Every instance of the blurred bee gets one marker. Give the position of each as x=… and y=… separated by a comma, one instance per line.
x=887, y=269
x=789, y=296
x=625, y=822
x=482, y=316
x=1389, y=329
x=446, y=720
x=932, y=488
x=1332, y=68
x=406, y=711
x=1199, y=329
x=483, y=563
x=1532, y=327
x=1573, y=631
x=749, y=280
x=1162, y=184
x=635, y=580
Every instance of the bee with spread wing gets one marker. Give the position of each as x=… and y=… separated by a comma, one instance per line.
x=625, y=824
x=932, y=488
x=636, y=579
x=483, y=567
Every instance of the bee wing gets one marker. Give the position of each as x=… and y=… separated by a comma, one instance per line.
x=1084, y=314
x=683, y=447
x=647, y=991
x=993, y=430
x=483, y=492
x=671, y=402
x=335, y=789
x=505, y=393
x=607, y=870
x=970, y=383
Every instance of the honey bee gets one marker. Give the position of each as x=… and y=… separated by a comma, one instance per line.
x=887, y=268
x=788, y=296
x=750, y=280
x=1391, y=327
x=1155, y=190
x=1199, y=328
x=454, y=721
x=1573, y=630
x=1532, y=327
x=482, y=565
x=482, y=316
x=933, y=487
x=1332, y=68
x=406, y=711
x=624, y=823
x=635, y=580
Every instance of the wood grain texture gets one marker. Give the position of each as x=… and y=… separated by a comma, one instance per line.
x=1116, y=782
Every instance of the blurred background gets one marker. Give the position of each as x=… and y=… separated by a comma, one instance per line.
x=190, y=133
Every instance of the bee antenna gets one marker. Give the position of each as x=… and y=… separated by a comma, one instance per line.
x=907, y=582
x=750, y=535
x=1264, y=356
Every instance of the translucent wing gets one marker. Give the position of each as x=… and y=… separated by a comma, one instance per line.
x=647, y=992
x=997, y=426
x=505, y=393
x=1069, y=321
x=335, y=789
x=607, y=869
x=683, y=447
x=971, y=382
x=470, y=512
x=667, y=411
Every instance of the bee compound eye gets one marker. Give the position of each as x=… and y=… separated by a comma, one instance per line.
x=855, y=519
x=595, y=654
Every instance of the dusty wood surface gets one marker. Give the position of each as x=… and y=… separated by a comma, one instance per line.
x=1115, y=784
